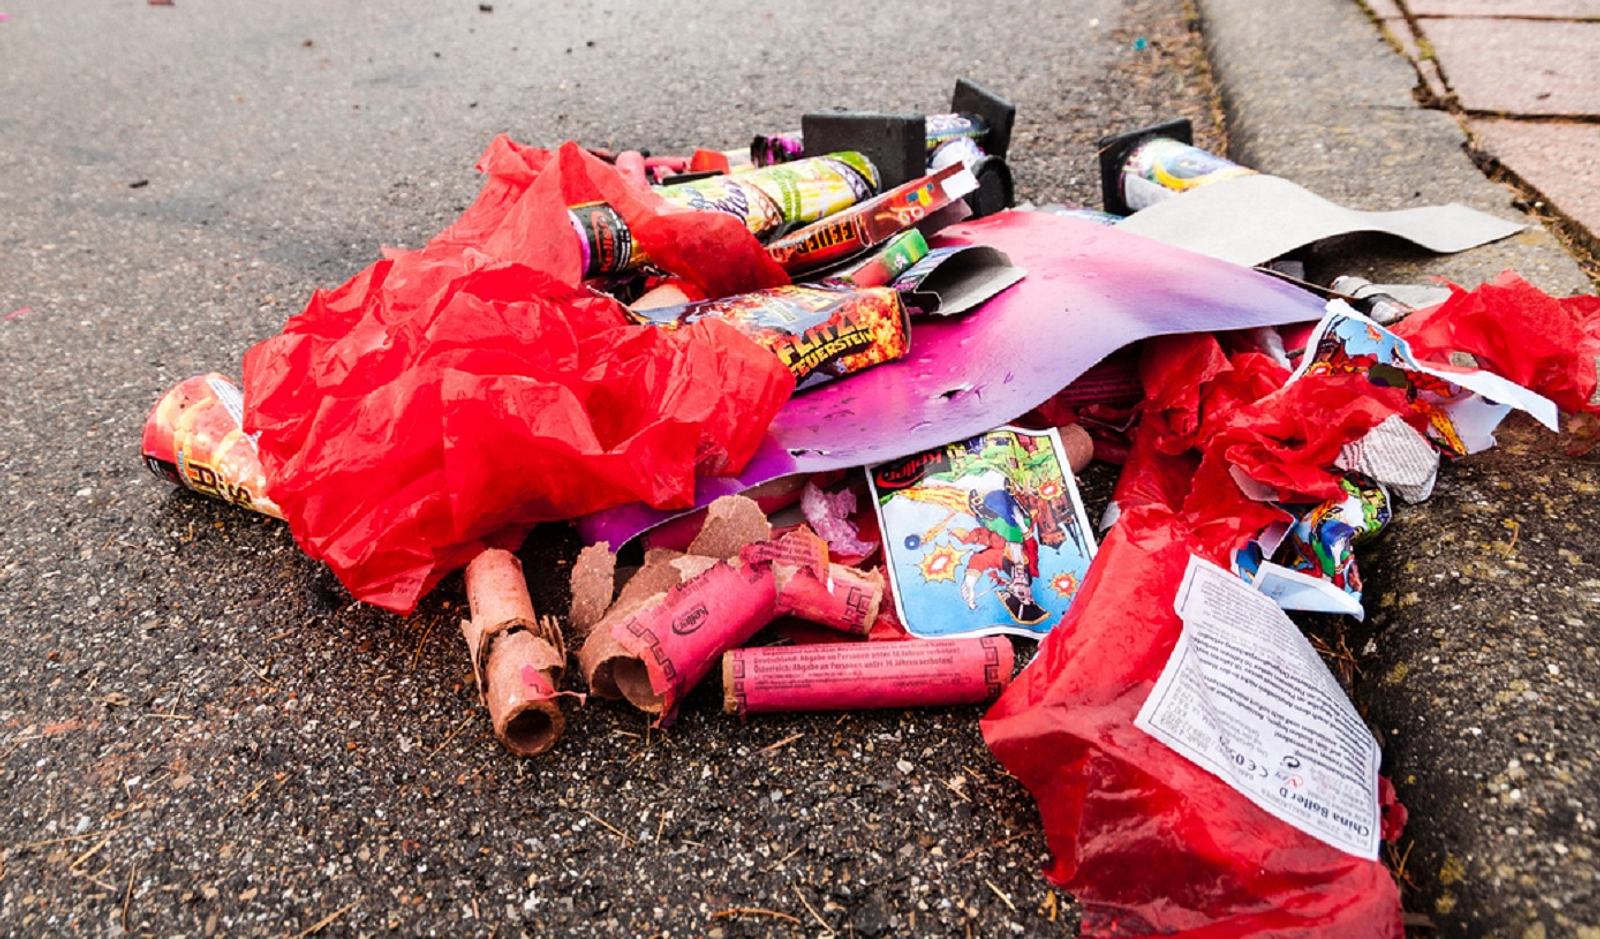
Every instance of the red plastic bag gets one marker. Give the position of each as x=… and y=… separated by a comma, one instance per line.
x=1148, y=842
x=445, y=400
x=1517, y=331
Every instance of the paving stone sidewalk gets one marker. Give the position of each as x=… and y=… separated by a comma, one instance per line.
x=1524, y=77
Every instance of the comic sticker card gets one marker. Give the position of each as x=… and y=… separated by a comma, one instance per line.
x=983, y=536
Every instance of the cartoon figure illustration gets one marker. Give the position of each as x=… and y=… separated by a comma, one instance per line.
x=1322, y=541
x=1009, y=555
x=1353, y=347
x=983, y=535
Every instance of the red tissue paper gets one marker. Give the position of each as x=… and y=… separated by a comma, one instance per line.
x=1514, y=329
x=446, y=399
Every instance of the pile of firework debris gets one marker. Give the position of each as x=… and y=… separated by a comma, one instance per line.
x=827, y=396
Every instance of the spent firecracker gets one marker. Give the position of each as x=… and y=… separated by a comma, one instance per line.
x=872, y=222
x=195, y=438
x=1161, y=168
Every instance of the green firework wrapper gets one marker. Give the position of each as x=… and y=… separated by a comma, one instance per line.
x=775, y=197
x=882, y=266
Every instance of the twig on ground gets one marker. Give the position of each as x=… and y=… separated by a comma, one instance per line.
x=417, y=655
x=323, y=923
x=1003, y=898
x=781, y=743
x=127, y=898
x=827, y=930
x=90, y=853
x=453, y=735
x=755, y=911
x=610, y=827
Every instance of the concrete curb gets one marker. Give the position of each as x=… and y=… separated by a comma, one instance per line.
x=1312, y=92
x=1480, y=685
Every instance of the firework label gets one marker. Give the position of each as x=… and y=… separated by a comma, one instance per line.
x=846, y=676
x=194, y=438
x=820, y=333
x=1161, y=168
x=982, y=536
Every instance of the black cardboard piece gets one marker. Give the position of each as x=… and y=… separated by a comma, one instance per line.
x=690, y=177
x=1114, y=150
x=971, y=98
x=895, y=143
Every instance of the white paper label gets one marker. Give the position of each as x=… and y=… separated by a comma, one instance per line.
x=231, y=399
x=1245, y=697
x=1140, y=193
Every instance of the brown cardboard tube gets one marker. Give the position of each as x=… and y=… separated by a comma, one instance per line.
x=601, y=653
x=851, y=676
x=609, y=668
x=677, y=638
x=517, y=659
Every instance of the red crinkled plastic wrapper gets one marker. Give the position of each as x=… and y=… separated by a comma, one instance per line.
x=1175, y=371
x=1193, y=391
x=1516, y=330
x=447, y=399
x=1148, y=842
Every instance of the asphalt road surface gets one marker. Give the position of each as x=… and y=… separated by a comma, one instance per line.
x=200, y=733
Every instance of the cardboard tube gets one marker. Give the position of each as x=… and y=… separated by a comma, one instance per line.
x=598, y=659
x=848, y=601
x=674, y=619
x=600, y=652
x=859, y=676
x=676, y=641
x=517, y=659
x=1078, y=444
x=811, y=588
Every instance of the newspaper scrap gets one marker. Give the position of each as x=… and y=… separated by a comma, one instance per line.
x=1397, y=456
x=1245, y=697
